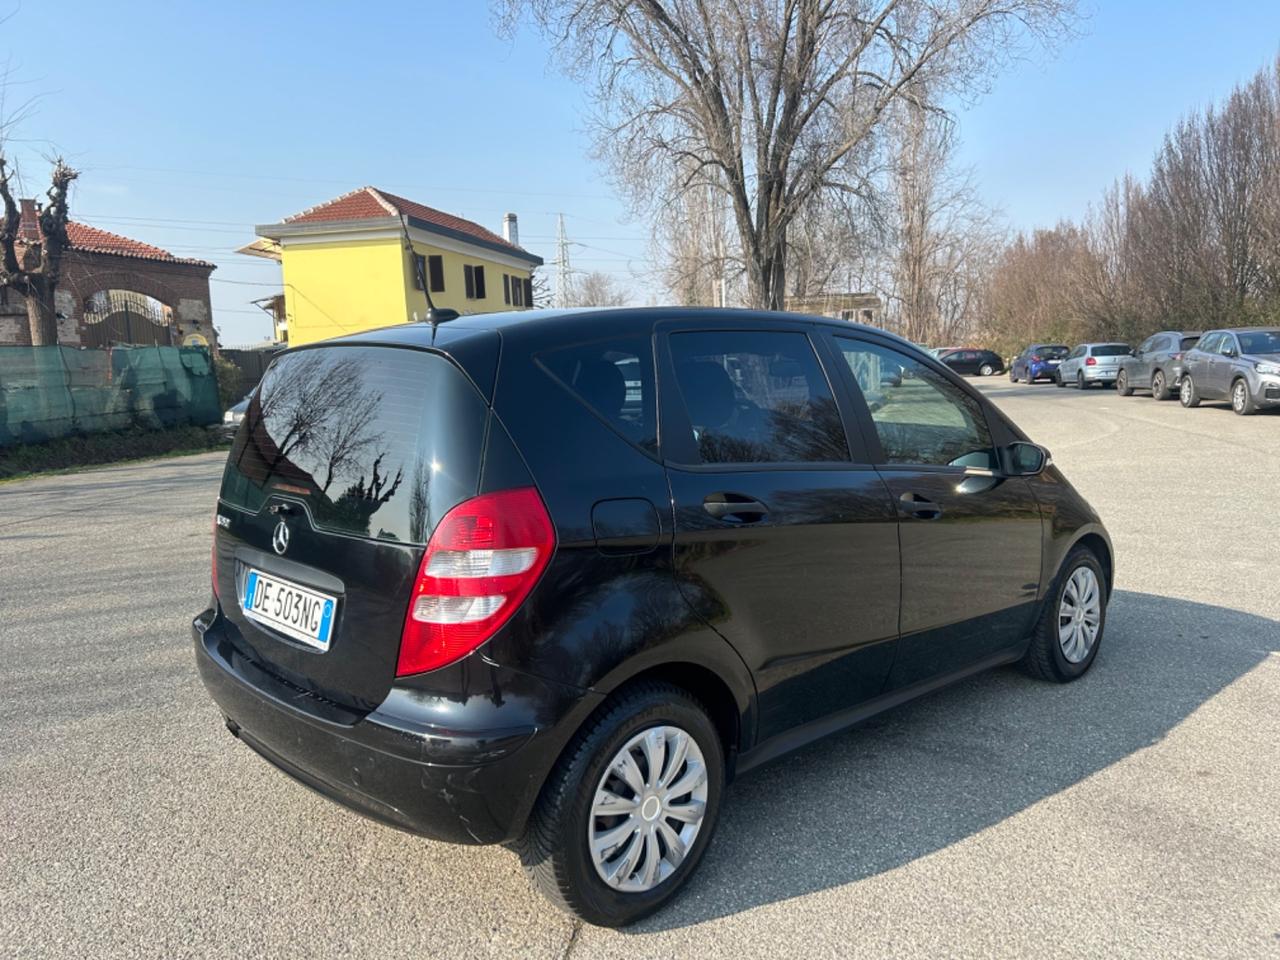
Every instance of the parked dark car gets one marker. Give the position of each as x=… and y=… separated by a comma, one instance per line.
x=1038, y=362
x=555, y=579
x=982, y=363
x=1156, y=364
x=1241, y=365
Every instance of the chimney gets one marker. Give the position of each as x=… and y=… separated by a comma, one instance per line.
x=510, y=231
x=29, y=220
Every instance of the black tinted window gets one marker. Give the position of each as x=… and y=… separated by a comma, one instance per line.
x=615, y=379
x=1189, y=342
x=1261, y=341
x=757, y=397
x=1052, y=352
x=920, y=416
x=378, y=442
x=1110, y=350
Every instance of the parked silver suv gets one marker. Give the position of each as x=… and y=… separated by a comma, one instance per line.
x=1091, y=363
x=1241, y=365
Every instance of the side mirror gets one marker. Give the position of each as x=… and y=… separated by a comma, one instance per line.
x=1023, y=459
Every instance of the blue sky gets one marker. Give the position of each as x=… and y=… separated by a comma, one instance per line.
x=193, y=123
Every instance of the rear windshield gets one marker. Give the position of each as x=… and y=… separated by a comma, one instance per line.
x=1053, y=352
x=1262, y=341
x=378, y=442
x=1110, y=350
x=1189, y=342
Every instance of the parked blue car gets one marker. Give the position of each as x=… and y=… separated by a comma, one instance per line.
x=1038, y=362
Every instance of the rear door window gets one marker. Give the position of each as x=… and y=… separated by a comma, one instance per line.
x=614, y=378
x=756, y=396
x=377, y=442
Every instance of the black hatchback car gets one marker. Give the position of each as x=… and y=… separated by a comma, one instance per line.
x=981, y=363
x=555, y=579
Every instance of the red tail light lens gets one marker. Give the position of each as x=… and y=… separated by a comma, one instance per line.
x=1177, y=356
x=1091, y=361
x=484, y=557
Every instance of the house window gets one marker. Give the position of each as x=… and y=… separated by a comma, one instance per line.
x=435, y=270
x=506, y=288
x=528, y=291
x=474, y=277
x=517, y=292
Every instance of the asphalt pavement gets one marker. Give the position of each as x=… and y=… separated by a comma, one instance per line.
x=1135, y=813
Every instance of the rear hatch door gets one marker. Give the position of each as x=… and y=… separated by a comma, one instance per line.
x=347, y=458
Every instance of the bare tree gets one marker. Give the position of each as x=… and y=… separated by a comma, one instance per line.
x=771, y=101
x=598, y=289
x=32, y=265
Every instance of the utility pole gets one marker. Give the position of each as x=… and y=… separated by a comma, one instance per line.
x=562, y=264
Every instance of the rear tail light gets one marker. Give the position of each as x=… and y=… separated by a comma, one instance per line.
x=1091, y=362
x=1177, y=356
x=484, y=557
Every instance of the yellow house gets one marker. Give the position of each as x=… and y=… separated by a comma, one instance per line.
x=357, y=262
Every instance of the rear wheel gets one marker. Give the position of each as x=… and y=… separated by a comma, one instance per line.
x=1187, y=393
x=1057, y=379
x=1069, y=631
x=1241, y=399
x=1012, y=378
x=986, y=370
x=1159, y=389
x=1122, y=385
x=628, y=812
x=1080, y=384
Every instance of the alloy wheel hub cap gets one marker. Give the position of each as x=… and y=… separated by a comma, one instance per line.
x=1079, y=614
x=648, y=809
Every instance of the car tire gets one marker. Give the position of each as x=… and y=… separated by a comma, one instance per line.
x=1242, y=401
x=1080, y=384
x=1159, y=388
x=1188, y=395
x=1122, y=385
x=1057, y=379
x=555, y=848
x=986, y=370
x=1051, y=657
x=1012, y=378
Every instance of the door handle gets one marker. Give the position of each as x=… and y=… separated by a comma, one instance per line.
x=919, y=507
x=734, y=507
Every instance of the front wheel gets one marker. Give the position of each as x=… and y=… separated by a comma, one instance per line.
x=1122, y=385
x=1242, y=400
x=986, y=370
x=1069, y=631
x=628, y=811
x=1057, y=379
x=1012, y=378
x=1188, y=396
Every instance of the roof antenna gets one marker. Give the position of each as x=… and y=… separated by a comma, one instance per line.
x=435, y=315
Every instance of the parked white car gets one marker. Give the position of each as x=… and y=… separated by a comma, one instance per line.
x=1091, y=363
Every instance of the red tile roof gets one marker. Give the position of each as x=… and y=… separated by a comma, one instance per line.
x=369, y=203
x=93, y=240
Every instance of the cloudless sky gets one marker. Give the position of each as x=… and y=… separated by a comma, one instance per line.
x=193, y=123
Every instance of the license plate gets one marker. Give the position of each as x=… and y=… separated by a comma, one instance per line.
x=295, y=611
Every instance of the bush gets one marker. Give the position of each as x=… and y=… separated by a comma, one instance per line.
x=88, y=449
x=229, y=381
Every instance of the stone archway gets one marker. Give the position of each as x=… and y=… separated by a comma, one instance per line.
x=126, y=316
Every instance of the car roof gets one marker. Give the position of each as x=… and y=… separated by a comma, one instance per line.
x=1246, y=330
x=570, y=324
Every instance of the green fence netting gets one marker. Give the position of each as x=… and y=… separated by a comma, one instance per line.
x=48, y=392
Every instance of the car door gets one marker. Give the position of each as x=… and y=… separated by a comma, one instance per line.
x=786, y=540
x=1222, y=366
x=1138, y=367
x=970, y=538
x=1196, y=361
x=963, y=362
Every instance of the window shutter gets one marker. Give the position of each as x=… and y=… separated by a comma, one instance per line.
x=419, y=270
x=479, y=275
x=468, y=273
x=506, y=288
x=528, y=292
x=435, y=265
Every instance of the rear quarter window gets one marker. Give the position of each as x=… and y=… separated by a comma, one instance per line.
x=614, y=379
x=377, y=442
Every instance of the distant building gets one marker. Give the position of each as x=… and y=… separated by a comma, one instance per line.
x=857, y=307
x=346, y=266
x=116, y=290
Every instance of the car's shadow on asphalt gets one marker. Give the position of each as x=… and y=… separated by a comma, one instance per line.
x=922, y=777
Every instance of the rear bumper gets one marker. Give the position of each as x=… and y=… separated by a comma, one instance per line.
x=460, y=768
x=1042, y=371
x=1103, y=374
